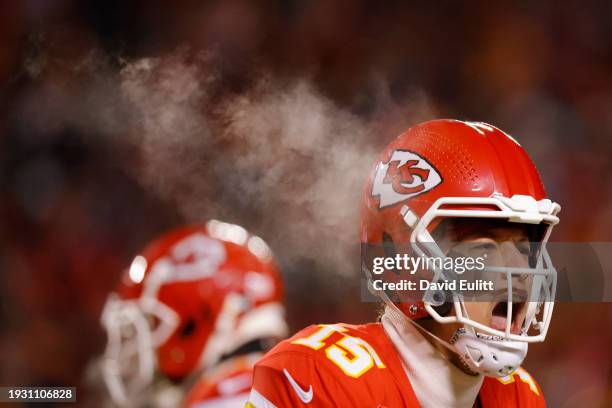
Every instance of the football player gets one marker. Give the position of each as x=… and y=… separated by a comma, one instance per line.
x=200, y=303
x=441, y=188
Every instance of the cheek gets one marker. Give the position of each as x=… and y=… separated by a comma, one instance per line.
x=494, y=258
x=480, y=311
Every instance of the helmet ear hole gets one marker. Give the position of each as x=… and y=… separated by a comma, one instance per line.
x=388, y=245
x=188, y=328
x=444, y=309
x=390, y=252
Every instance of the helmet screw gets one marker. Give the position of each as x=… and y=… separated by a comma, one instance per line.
x=413, y=309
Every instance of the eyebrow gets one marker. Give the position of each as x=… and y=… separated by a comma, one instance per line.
x=495, y=234
x=524, y=236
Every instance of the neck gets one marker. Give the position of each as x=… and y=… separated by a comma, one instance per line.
x=426, y=361
x=434, y=338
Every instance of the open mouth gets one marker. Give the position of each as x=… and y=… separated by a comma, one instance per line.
x=499, y=316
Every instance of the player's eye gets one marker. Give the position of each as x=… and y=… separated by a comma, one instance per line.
x=524, y=248
x=485, y=247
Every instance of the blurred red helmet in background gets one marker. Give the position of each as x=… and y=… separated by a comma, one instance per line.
x=191, y=297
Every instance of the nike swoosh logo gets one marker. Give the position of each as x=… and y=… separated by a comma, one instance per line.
x=305, y=396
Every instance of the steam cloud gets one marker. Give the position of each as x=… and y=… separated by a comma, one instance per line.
x=281, y=158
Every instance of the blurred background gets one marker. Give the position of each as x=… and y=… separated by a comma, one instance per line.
x=120, y=119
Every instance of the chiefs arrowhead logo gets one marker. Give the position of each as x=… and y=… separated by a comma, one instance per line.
x=404, y=176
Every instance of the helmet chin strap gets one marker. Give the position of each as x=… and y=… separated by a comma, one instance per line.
x=488, y=355
x=477, y=353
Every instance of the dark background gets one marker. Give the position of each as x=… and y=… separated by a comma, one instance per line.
x=91, y=166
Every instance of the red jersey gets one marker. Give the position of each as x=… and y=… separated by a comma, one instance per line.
x=344, y=365
x=227, y=386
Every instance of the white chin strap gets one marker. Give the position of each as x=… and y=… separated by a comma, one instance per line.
x=488, y=355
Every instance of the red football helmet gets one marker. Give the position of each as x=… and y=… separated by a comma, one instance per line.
x=450, y=168
x=192, y=296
